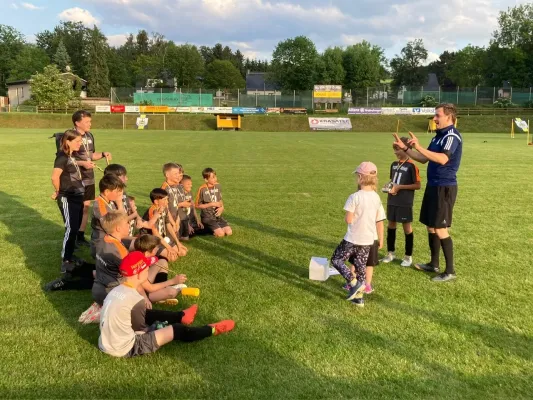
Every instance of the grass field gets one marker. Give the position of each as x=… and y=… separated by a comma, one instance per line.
x=294, y=338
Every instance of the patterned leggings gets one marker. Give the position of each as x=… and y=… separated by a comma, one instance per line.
x=343, y=252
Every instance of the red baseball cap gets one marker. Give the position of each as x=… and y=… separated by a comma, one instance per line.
x=135, y=263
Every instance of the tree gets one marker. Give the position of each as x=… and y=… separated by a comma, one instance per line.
x=407, y=68
x=362, y=63
x=441, y=68
x=238, y=61
x=222, y=74
x=75, y=37
x=61, y=57
x=11, y=43
x=468, y=68
x=97, y=70
x=294, y=63
x=51, y=89
x=185, y=63
x=29, y=61
x=143, y=42
x=330, y=67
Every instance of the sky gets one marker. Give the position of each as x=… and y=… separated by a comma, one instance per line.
x=256, y=26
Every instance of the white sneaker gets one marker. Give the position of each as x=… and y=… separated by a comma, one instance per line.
x=388, y=258
x=180, y=286
x=407, y=261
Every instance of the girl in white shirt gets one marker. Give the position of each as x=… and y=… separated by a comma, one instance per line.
x=362, y=208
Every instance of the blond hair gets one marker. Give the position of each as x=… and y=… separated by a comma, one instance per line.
x=112, y=219
x=368, y=180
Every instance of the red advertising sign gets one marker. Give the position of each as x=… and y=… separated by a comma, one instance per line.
x=118, y=108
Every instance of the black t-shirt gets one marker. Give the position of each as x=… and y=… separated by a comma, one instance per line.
x=85, y=154
x=70, y=181
x=405, y=173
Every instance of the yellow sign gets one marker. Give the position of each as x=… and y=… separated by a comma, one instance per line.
x=328, y=95
x=154, y=109
x=142, y=121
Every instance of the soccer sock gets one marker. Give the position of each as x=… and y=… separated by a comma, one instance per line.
x=447, y=249
x=184, y=333
x=189, y=314
x=409, y=243
x=391, y=240
x=434, y=246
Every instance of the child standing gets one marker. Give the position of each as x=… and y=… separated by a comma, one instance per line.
x=405, y=179
x=362, y=211
x=190, y=223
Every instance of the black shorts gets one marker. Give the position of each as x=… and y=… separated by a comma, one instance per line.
x=211, y=224
x=373, y=257
x=437, y=206
x=400, y=214
x=90, y=192
x=184, y=229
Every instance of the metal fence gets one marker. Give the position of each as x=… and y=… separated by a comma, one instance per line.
x=379, y=96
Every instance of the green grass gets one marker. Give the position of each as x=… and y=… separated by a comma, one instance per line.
x=294, y=338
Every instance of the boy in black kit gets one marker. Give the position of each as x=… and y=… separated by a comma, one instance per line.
x=209, y=200
x=405, y=179
x=190, y=224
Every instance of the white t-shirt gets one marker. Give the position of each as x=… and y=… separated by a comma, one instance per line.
x=116, y=333
x=366, y=206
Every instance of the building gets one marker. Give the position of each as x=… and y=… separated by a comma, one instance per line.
x=20, y=91
x=257, y=83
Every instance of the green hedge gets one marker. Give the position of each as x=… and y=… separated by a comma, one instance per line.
x=259, y=123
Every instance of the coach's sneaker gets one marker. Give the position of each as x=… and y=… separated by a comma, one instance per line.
x=407, y=261
x=355, y=290
x=56, y=284
x=427, y=268
x=388, y=258
x=444, y=277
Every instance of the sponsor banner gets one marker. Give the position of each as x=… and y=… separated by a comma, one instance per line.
x=182, y=109
x=154, y=109
x=364, y=111
x=199, y=110
x=248, y=110
x=327, y=95
x=273, y=110
x=330, y=124
x=294, y=110
x=133, y=109
x=118, y=108
x=142, y=121
x=424, y=111
x=397, y=111
x=220, y=110
x=103, y=109
x=328, y=88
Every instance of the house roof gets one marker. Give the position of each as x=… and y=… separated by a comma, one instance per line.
x=21, y=82
x=257, y=81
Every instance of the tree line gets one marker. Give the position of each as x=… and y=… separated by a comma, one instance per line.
x=296, y=64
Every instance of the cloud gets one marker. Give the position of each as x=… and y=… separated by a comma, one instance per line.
x=256, y=26
x=29, y=6
x=117, y=40
x=77, y=14
x=14, y=5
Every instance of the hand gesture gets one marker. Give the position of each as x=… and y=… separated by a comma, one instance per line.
x=191, y=229
x=219, y=211
x=86, y=164
x=179, y=279
x=380, y=244
x=200, y=225
x=413, y=142
x=147, y=303
x=108, y=156
x=394, y=189
x=54, y=196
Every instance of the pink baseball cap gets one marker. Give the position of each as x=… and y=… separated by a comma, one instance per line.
x=366, y=168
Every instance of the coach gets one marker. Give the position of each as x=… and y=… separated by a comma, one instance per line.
x=444, y=157
x=85, y=157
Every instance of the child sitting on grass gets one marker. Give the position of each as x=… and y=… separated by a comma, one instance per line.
x=209, y=200
x=124, y=304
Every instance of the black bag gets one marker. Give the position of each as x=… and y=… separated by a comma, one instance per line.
x=57, y=137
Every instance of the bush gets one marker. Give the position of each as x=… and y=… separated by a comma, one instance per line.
x=504, y=102
x=428, y=101
x=528, y=104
